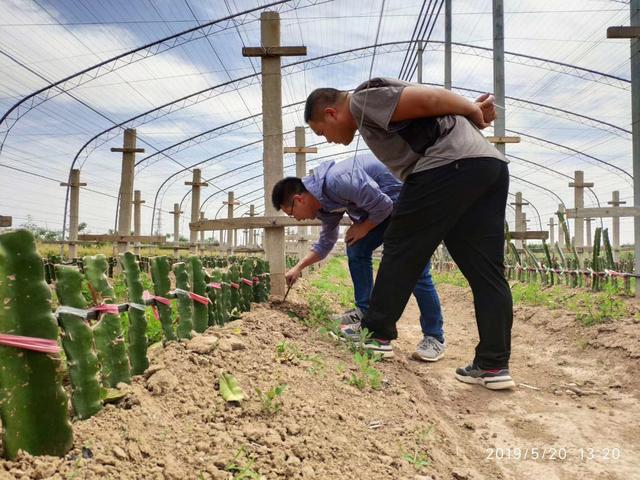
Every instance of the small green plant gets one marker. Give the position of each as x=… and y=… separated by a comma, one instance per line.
x=319, y=311
x=317, y=366
x=366, y=374
x=330, y=330
x=419, y=456
x=287, y=352
x=271, y=400
x=242, y=466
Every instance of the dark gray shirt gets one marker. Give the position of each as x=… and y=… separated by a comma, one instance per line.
x=416, y=145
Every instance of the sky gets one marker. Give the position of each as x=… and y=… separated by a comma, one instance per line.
x=43, y=42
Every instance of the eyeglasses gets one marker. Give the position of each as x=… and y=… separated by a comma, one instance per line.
x=290, y=213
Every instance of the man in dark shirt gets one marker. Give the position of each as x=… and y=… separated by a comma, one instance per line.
x=455, y=190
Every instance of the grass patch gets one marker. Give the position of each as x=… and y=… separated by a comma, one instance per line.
x=591, y=308
x=454, y=277
x=334, y=279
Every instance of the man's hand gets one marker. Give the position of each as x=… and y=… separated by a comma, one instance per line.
x=292, y=276
x=487, y=105
x=357, y=231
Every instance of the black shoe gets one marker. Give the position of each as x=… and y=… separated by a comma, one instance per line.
x=495, y=379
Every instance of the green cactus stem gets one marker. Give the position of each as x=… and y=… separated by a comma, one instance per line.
x=608, y=251
x=33, y=404
x=138, y=340
x=220, y=311
x=107, y=333
x=77, y=341
x=185, y=309
x=199, y=287
x=547, y=254
x=595, y=259
x=247, y=286
x=160, y=269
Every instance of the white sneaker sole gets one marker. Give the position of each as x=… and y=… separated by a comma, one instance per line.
x=384, y=353
x=417, y=356
x=494, y=383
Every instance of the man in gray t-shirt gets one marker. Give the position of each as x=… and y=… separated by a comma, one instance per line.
x=455, y=190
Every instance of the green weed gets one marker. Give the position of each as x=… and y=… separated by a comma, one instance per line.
x=242, y=466
x=271, y=400
x=367, y=374
x=419, y=456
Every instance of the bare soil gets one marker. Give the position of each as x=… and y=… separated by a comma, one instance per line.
x=578, y=389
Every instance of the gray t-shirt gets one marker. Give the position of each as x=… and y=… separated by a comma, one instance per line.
x=413, y=145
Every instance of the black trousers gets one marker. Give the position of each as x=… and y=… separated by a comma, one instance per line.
x=462, y=203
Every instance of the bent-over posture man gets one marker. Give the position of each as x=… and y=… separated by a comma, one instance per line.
x=455, y=187
x=366, y=191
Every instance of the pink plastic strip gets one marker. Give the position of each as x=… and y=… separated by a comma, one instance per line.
x=234, y=285
x=198, y=298
x=106, y=308
x=165, y=301
x=217, y=286
x=246, y=281
x=30, y=343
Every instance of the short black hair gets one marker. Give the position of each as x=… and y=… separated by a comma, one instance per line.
x=318, y=99
x=285, y=189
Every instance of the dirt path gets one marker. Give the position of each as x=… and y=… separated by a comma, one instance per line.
x=422, y=424
x=584, y=401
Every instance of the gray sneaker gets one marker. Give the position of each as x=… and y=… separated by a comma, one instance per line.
x=429, y=350
x=348, y=318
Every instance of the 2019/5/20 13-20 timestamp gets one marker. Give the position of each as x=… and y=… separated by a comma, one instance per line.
x=583, y=454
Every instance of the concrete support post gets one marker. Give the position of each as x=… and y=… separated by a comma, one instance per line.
x=230, y=206
x=579, y=185
x=270, y=52
x=195, y=184
x=519, y=220
x=129, y=151
x=635, y=121
x=615, y=224
x=562, y=240
x=551, y=231
x=176, y=229
x=420, y=54
x=447, y=44
x=589, y=243
x=252, y=239
x=74, y=210
x=137, y=207
x=202, y=232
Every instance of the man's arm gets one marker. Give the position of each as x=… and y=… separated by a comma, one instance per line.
x=363, y=191
x=294, y=273
x=319, y=250
x=421, y=101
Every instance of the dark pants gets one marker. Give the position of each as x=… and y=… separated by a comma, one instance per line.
x=462, y=203
x=361, y=269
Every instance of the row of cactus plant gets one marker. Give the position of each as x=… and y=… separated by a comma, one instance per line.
x=33, y=403
x=529, y=267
